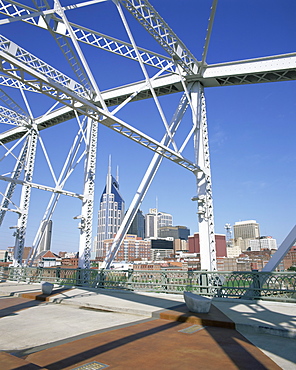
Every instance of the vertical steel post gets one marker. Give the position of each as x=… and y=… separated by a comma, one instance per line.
x=11, y=187
x=203, y=180
x=25, y=199
x=88, y=195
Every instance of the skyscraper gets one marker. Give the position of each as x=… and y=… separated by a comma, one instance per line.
x=45, y=241
x=111, y=212
x=244, y=231
x=154, y=220
x=164, y=219
x=138, y=225
x=177, y=232
x=151, y=223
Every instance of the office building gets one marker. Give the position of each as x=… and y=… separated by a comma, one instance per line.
x=151, y=225
x=194, y=246
x=154, y=220
x=45, y=241
x=138, y=225
x=164, y=219
x=111, y=212
x=264, y=242
x=180, y=245
x=233, y=251
x=180, y=235
x=244, y=231
x=176, y=232
x=162, y=248
x=132, y=248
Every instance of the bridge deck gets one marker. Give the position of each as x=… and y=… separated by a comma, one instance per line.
x=152, y=335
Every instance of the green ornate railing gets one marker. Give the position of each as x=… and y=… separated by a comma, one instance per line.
x=250, y=285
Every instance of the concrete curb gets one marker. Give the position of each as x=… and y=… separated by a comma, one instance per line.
x=260, y=329
x=99, y=307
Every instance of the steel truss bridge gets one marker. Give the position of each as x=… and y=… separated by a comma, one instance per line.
x=76, y=95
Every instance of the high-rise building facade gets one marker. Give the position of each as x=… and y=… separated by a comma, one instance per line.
x=176, y=232
x=111, y=212
x=151, y=223
x=45, y=241
x=194, y=246
x=164, y=219
x=161, y=248
x=132, y=248
x=154, y=220
x=262, y=243
x=180, y=235
x=138, y=225
x=244, y=231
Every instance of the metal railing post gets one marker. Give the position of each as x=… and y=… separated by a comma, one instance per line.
x=256, y=286
x=129, y=278
x=164, y=281
x=101, y=282
x=189, y=287
x=204, y=282
x=79, y=277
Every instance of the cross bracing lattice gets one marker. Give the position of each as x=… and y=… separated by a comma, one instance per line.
x=60, y=69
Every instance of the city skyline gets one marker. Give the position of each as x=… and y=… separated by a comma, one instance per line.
x=251, y=127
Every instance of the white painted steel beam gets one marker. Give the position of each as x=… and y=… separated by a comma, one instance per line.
x=12, y=185
x=153, y=23
x=12, y=134
x=66, y=48
x=81, y=57
x=25, y=199
x=70, y=163
x=283, y=249
x=41, y=187
x=208, y=36
x=204, y=196
x=86, y=222
x=20, y=12
x=14, y=83
x=267, y=69
x=12, y=104
x=10, y=117
x=60, y=87
x=259, y=70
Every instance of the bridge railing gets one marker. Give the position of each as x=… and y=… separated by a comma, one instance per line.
x=238, y=284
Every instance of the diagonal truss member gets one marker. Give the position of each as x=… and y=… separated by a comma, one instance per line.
x=62, y=88
x=47, y=19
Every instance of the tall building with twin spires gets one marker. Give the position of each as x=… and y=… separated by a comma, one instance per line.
x=111, y=212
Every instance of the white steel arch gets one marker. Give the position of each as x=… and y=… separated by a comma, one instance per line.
x=76, y=95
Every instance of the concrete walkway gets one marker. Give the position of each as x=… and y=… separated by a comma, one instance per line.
x=265, y=317
x=67, y=318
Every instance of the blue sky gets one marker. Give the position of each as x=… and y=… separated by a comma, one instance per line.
x=251, y=127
